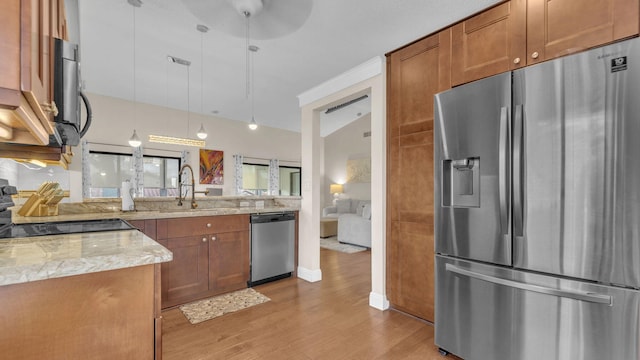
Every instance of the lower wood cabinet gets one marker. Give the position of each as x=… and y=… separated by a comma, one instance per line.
x=188, y=274
x=103, y=315
x=229, y=261
x=210, y=256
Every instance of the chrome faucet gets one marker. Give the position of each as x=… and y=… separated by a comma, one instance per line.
x=193, y=187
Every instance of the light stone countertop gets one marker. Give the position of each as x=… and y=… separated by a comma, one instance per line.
x=53, y=256
x=146, y=214
x=45, y=257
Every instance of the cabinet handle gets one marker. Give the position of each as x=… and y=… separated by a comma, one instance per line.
x=209, y=225
x=213, y=238
x=204, y=239
x=516, y=61
x=535, y=55
x=50, y=108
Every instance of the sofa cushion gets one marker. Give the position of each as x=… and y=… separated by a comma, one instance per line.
x=366, y=211
x=359, y=206
x=354, y=229
x=343, y=206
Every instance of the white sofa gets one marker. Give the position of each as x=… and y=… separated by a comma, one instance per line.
x=354, y=221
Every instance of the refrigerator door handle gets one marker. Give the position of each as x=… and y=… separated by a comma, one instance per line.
x=518, y=149
x=502, y=169
x=572, y=294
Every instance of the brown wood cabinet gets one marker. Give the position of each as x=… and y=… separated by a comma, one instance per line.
x=557, y=28
x=415, y=73
x=229, y=261
x=489, y=43
x=148, y=227
x=103, y=315
x=27, y=30
x=524, y=32
x=210, y=256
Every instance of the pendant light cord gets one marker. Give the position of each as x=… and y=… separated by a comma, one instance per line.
x=201, y=71
x=253, y=84
x=247, y=15
x=135, y=107
x=188, y=98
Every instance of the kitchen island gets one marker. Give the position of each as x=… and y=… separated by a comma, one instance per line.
x=86, y=295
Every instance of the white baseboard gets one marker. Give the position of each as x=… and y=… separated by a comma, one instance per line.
x=309, y=275
x=378, y=301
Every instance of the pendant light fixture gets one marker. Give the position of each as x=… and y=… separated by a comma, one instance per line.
x=251, y=49
x=177, y=140
x=202, y=133
x=134, y=140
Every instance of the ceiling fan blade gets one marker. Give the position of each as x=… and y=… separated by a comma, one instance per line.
x=277, y=18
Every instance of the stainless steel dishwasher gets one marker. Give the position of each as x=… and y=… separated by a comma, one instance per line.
x=272, y=246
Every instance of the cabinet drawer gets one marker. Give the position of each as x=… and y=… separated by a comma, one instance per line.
x=179, y=227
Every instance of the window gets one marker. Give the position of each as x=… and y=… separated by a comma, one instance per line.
x=290, y=181
x=109, y=170
x=160, y=176
x=255, y=179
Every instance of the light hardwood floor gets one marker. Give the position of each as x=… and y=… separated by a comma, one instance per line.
x=330, y=319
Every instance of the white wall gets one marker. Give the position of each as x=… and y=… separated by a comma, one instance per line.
x=114, y=120
x=366, y=78
x=342, y=145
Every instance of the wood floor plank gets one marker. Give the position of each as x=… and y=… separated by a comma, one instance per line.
x=330, y=319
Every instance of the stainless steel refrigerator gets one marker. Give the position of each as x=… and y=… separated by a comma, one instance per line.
x=537, y=199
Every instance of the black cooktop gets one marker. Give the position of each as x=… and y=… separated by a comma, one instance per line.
x=63, y=227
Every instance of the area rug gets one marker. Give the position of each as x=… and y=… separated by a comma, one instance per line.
x=332, y=243
x=207, y=309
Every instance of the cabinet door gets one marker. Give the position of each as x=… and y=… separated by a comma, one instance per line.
x=489, y=43
x=188, y=273
x=415, y=74
x=58, y=20
x=557, y=28
x=148, y=227
x=229, y=261
x=37, y=86
x=10, y=17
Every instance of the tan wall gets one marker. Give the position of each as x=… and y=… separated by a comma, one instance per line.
x=114, y=120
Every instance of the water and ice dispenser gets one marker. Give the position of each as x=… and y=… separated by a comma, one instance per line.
x=461, y=182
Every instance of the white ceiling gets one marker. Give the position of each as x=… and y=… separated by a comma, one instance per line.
x=337, y=36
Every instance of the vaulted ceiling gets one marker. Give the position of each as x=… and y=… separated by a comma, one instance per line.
x=335, y=36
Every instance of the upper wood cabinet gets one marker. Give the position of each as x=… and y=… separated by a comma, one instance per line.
x=489, y=43
x=27, y=30
x=560, y=27
x=524, y=32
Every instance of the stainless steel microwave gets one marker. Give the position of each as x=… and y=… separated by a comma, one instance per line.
x=67, y=95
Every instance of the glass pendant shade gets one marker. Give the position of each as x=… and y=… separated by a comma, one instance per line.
x=253, y=125
x=134, y=140
x=202, y=133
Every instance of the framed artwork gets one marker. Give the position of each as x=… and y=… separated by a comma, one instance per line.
x=211, y=167
x=359, y=170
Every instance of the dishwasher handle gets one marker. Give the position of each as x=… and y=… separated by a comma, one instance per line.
x=272, y=217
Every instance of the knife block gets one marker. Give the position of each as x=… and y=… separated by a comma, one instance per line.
x=46, y=210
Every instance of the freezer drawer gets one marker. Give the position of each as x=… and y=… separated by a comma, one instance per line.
x=484, y=312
